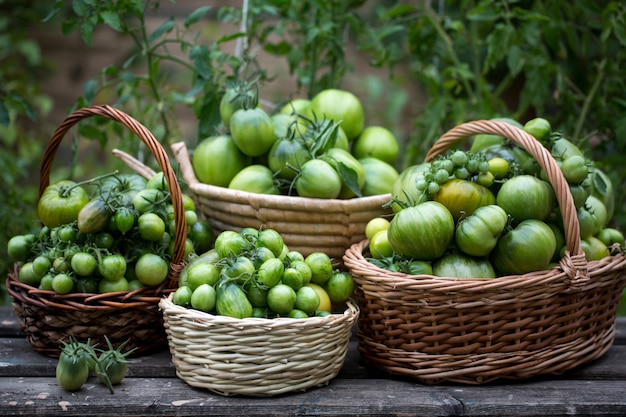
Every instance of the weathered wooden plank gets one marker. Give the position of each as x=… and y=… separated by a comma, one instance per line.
x=18, y=359
x=165, y=396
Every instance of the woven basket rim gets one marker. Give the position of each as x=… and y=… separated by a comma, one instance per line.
x=555, y=278
x=256, y=200
x=350, y=313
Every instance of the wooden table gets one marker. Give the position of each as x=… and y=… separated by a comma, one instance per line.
x=28, y=387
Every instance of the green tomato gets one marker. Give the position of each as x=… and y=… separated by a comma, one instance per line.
x=270, y=272
x=106, y=286
x=124, y=219
x=83, y=263
x=151, y=269
x=422, y=232
x=459, y=265
x=203, y=298
x=307, y=300
x=216, y=160
x=281, y=298
x=296, y=106
x=293, y=278
x=529, y=247
x=72, y=370
x=340, y=106
x=113, y=364
x=286, y=156
x=232, y=301
x=611, y=236
x=526, y=197
x=478, y=233
x=28, y=276
x=575, y=169
x=201, y=235
x=241, y=269
x=376, y=142
x=61, y=202
x=255, y=179
x=404, y=188
x=257, y=295
x=151, y=227
x=318, y=179
x=272, y=240
x=62, y=284
x=182, y=296
x=112, y=267
x=229, y=243
x=234, y=98
x=379, y=176
x=19, y=247
x=42, y=264
x=148, y=200
x=339, y=287
x=321, y=267
x=124, y=185
x=252, y=131
x=463, y=197
x=539, y=128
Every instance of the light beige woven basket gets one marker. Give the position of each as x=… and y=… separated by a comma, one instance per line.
x=254, y=356
x=438, y=329
x=306, y=224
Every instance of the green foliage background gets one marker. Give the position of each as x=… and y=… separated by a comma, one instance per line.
x=444, y=62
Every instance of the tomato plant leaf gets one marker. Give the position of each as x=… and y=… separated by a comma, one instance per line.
x=165, y=27
x=196, y=15
x=112, y=19
x=349, y=177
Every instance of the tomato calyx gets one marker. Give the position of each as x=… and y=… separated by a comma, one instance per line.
x=111, y=365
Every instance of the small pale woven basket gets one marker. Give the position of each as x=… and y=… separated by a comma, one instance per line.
x=131, y=316
x=254, y=356
x=472, y=331
x=306, y=224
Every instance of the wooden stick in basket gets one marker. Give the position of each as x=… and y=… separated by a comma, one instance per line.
x=134, y=163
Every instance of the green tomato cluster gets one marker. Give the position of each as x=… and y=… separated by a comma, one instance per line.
x=318, y=148
x=119, y=237
x=252, y=273
x=78, y=361
x=448, y=215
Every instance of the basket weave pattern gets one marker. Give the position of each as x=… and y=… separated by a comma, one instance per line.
x=256, y=357
x=48, y=317
x=306, y=224
x=438, y=329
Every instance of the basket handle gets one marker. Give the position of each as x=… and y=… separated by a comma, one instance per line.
x=155, y=147
x=574, y=262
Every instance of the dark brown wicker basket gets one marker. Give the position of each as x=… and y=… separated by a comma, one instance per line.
x=438, y=329
x=47, y=317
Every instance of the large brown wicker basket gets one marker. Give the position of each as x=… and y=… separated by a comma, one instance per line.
x=438, y=329
x=47, y=317
x=306, y=224
x=254, y=356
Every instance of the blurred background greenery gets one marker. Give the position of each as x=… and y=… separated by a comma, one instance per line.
x=419, y=67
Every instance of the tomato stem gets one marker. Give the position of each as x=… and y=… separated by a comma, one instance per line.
x=65, y=192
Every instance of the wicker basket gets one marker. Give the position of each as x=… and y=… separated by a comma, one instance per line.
x=254, y=356
x=437, y=329
x=306, y=224
x=47, y=317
